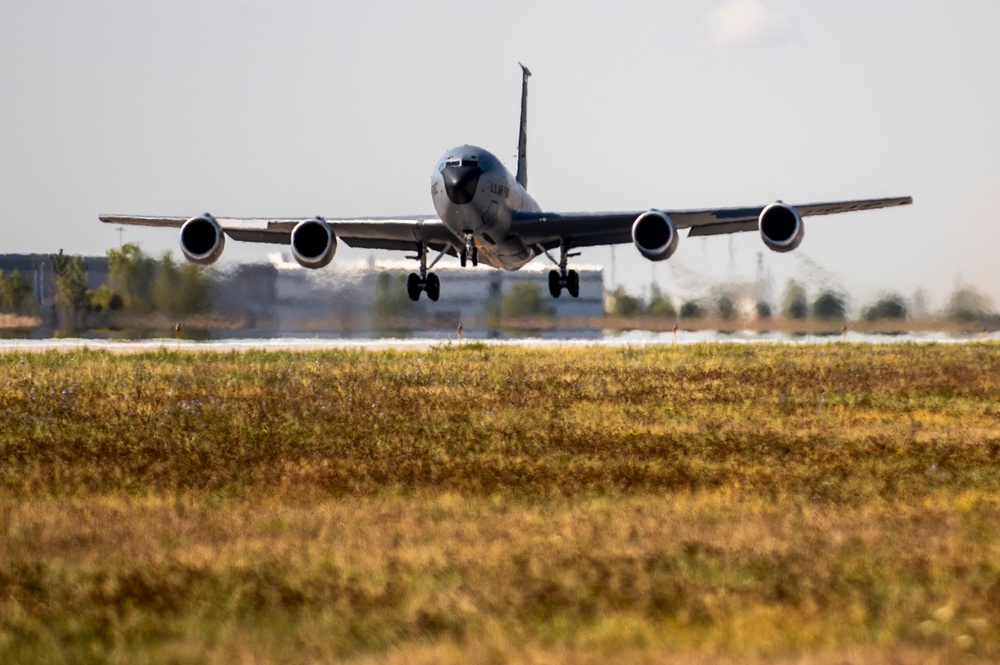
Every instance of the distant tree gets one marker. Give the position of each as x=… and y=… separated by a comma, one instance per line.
x=829, y=306
x=692, y=309
x=140, y=283
x=391, y=298
x=523, y=300
x=967, y=304
x=725, y=307
x=889, y=306
x=763, y=310
x=793, y=303
x=131, y=274
x=191, y=288
x=71, y=296
x=105, y=298
x=625, y=305
x=660, y=306
x=919, y=308
x=165, y=280
x=14, y=291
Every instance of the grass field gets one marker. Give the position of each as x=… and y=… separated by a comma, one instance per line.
x=696, y=504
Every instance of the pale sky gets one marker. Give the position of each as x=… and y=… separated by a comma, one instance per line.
x=305, y=107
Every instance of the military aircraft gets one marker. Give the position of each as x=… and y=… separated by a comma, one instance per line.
x=485, y=215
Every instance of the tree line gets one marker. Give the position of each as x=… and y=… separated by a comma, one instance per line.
x=143, y=284
x=136, y=283
x=965, y=304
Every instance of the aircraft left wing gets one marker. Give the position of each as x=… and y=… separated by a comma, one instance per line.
x=549, y=229
x=398, y=233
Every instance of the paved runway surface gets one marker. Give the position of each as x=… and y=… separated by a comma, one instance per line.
x=421, y=344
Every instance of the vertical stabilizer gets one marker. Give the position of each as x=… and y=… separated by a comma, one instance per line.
x=522, y=139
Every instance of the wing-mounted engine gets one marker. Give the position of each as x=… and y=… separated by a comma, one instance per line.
x=202, y=240
x=654, y=235
x=781, y=227
x=313, y=243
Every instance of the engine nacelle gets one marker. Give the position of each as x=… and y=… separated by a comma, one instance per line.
x=202, y=240
x=781, y=227
x=313, y=243
x=654, y=235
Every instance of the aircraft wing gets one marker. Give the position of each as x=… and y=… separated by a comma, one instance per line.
x=399, y=233
x=587, y=229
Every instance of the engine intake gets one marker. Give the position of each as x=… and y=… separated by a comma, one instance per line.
x=313, y=243
x=202, y=240
x=654, y=235
x=781, y=227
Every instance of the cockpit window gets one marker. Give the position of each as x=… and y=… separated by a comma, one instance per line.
x=466, y=161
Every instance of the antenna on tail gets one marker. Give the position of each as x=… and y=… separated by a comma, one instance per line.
x=522, y=139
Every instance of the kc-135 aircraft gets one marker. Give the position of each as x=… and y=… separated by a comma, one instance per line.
x=485, y=215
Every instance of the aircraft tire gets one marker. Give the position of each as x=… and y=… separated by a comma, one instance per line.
x=433, y=287
x=573, y=283
x=554, y=286
x=413, y=286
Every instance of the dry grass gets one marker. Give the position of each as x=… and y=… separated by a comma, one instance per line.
x=683, y=504
x=18, y=321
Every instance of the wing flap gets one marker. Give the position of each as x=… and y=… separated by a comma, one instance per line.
x=723, y=228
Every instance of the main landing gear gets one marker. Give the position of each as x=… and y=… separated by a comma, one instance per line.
x=424, y=281
x=563, y=278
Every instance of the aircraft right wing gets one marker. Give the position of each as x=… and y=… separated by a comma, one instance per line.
x=587, y=229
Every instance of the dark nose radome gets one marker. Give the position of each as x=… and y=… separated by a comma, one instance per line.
x=460, y=182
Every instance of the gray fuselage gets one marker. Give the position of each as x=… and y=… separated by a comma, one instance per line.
x=473, y=192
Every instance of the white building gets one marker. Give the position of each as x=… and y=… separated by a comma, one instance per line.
x=362, y=296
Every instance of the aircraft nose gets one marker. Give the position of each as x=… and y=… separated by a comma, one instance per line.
x=460, y=182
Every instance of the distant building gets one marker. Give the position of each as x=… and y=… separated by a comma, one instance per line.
x=354, y=298
x=36, y=269
x=360, y=297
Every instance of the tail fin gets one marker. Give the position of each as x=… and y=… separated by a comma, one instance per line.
x=522, y=139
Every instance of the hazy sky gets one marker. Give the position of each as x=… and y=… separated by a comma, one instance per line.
x=305, y=107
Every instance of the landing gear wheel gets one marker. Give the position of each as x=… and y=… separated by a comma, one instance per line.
x=463, y=258
x=573, y=283
x=475, y=257
x=413, y=286
x=433, y=287
x=555, y=287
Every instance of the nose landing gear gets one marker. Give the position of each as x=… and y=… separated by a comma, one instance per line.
x=470, y=252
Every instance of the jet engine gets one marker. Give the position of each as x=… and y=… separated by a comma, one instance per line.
x=202, y=240
x=654, y=235
x=313, y=243
x=781, y=227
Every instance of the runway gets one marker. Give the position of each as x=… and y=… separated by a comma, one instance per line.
x=635, y=338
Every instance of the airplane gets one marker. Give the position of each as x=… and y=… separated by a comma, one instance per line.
x=485, y=215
